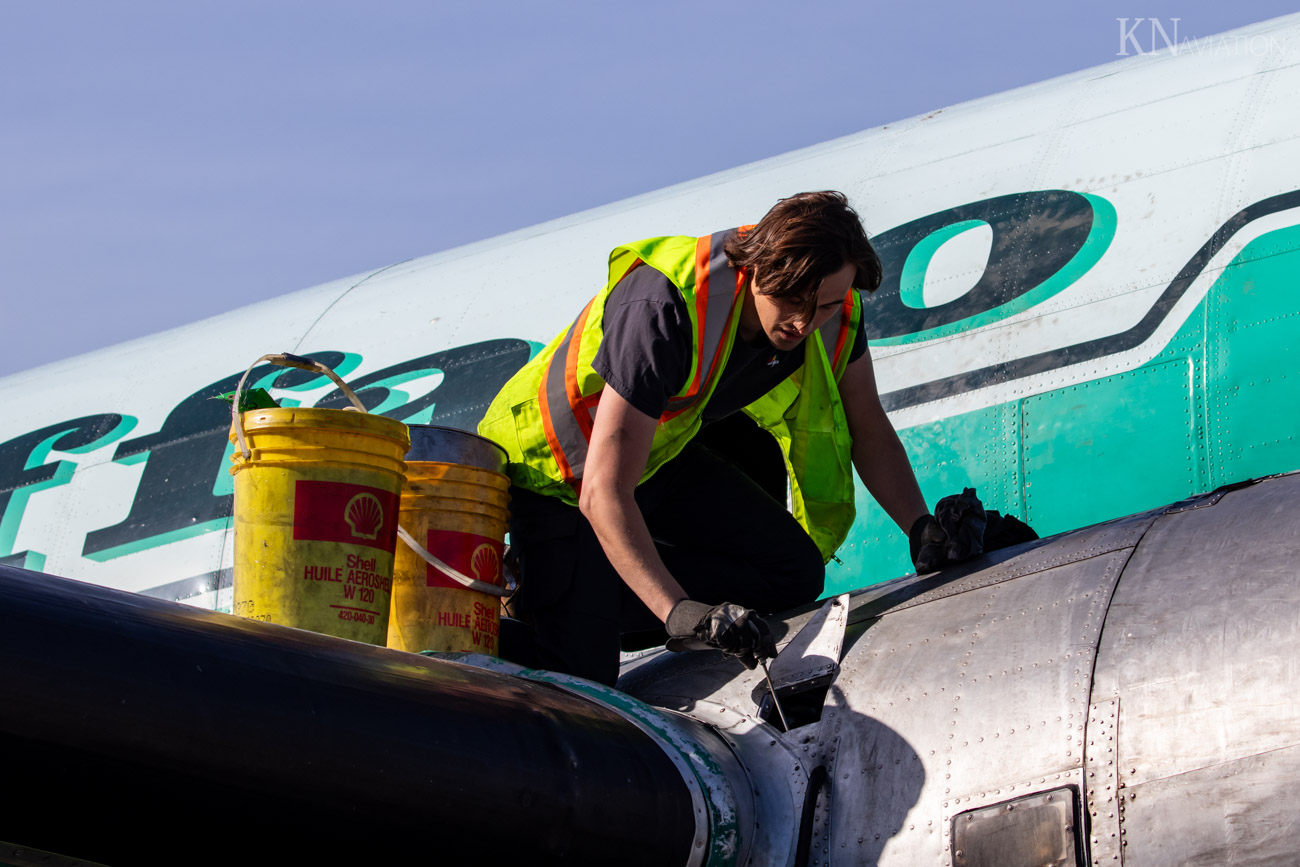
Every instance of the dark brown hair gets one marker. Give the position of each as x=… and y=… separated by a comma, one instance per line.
x=802, y=240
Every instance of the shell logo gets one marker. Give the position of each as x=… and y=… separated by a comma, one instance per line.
x=364, y=515
x=486, y=564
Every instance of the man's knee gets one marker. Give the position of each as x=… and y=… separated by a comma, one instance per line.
x=807, y=578
x=799, y=581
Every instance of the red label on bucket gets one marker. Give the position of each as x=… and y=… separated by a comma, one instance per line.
x=341, y=512
x=473, y=555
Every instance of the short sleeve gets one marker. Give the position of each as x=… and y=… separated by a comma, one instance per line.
x=645, y=352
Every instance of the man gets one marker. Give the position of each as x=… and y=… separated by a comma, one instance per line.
x=646, y=441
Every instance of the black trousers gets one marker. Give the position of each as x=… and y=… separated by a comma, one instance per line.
x=722, y=536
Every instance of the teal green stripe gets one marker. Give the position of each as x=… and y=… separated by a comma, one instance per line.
x=351, y=361
x=17, y=506
x=397, y=398
x=38, y=455
x=63, y=472
x=911, y=285
x=1104, y=222
x=224, y=484
x=1219, y=404
x=158, y=541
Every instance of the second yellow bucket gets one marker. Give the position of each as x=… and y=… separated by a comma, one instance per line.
x=448, y=580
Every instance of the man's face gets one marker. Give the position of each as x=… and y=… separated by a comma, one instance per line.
x=787, y=321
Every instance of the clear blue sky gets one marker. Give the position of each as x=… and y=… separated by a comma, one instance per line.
x=163, y=161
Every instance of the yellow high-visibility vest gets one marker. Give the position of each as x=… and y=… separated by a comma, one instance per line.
x=543, y=416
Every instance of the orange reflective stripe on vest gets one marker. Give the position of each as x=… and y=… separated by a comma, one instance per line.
x=543, y=417
x=567, y=414
x=835, y=331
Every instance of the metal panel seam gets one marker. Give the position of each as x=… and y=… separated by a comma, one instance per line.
x=308, y=330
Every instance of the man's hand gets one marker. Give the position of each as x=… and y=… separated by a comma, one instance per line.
x=961, y=528
x=929, y=545
x=734, y=630
x=955, y=532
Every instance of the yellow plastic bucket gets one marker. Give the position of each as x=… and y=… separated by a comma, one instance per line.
x=448, y=578
x=316, y=503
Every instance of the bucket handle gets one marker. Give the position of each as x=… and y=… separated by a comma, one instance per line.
x=284, y=359
x=452, y=572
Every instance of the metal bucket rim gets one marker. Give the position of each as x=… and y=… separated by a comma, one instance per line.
x=477, y=439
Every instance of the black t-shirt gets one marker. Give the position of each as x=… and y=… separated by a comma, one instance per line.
x=645, y=354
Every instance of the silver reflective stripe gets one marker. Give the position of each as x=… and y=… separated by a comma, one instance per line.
x=722, y=295
x=565, y=427
x=561, y=415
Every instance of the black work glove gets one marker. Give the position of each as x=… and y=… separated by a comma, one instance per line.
x=734, y=630
x=955, y=532
x=929, y=543
x=1004, y=531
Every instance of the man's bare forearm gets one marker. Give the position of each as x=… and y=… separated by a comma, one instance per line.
x=878, y=454
x=623, y=535
x=620, y=444
x=883, y=466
